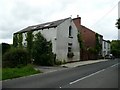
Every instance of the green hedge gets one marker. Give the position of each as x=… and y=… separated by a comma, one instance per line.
x=15, y=57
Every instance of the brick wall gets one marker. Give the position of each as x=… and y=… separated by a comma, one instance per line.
x=88, y=38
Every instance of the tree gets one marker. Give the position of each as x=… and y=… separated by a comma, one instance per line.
x=42, y=51
x=115, y=48
x=118, y=23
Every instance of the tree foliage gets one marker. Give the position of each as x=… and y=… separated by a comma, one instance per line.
x=5, y=47
x=115, y=48
x=118, y=23
x=42, y=51
x=15, y=57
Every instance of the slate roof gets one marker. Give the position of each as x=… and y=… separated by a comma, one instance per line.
x=42, y=26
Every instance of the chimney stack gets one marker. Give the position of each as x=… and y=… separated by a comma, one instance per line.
x=77, y=22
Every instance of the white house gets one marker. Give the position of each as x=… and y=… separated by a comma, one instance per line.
x=119, y=17
x=105, y=48
x=63, y=35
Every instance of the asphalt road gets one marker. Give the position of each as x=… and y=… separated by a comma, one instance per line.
x=97, y=75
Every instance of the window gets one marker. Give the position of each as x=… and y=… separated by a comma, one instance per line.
x=69, y=49
x=69, y=44
x=105, y=45
x=70, y=31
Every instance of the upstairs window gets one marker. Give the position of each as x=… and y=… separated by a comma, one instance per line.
x=70, y=31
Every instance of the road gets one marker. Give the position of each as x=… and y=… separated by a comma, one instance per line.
x=97, y=75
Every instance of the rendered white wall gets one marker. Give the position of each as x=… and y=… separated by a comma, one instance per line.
x=105, y=48
x=60, y=39
x=49, y=34
x=63, y=40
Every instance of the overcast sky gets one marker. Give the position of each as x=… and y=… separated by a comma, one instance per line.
x=98, y=15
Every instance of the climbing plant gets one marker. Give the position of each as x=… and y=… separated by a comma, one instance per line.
x=20, y=39
x=80, y=40
x=92, y=50
x=29, y=39
x=98, y=45
x=15, y=40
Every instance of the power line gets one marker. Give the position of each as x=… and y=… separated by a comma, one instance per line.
x=105, y=15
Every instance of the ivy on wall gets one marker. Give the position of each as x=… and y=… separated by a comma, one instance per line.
x=29, y=39
x=80, y=41
x=20, y=39
x=15, y=40
x=98, y=45
x=92, y=50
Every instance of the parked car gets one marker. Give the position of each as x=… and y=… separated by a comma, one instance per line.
x=110, y=56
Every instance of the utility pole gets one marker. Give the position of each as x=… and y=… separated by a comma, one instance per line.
x=118, y=18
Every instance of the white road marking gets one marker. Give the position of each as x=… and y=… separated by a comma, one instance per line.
x=91, y=74
x=114, y=65
x=86, y=76
x=59, y=87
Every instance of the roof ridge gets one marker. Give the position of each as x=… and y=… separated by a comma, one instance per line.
x=43, y=25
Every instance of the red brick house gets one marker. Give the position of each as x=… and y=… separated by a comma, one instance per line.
x=88, y=38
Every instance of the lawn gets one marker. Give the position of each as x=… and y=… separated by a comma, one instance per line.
x=9, y=73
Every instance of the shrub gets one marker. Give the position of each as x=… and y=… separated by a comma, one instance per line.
x=70, y=54
x=42, y=51
x=15, y=57
x=5, y=47
x=58, y=62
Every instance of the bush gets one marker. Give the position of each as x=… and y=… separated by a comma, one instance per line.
x=5, y=47
x=70, y=54
x=15, y=57
x=42, y=51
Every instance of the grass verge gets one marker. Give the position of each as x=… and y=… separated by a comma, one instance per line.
x=9, y=73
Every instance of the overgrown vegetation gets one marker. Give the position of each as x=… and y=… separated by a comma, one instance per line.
x=70, y=54
x=80, y=40
x=9, y=73
x=15, y=57
x=92, y=50
x=5, y=47
x=115, y=48
x=15, y=40
x=98, y=45
x=20, y=39
x=29, y=40
x=42, y=51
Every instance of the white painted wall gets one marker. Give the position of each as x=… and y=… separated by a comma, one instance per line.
x=105, y=48
x=49, y=34
x=60, y=39
x=119, y=17
x=63, y=40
